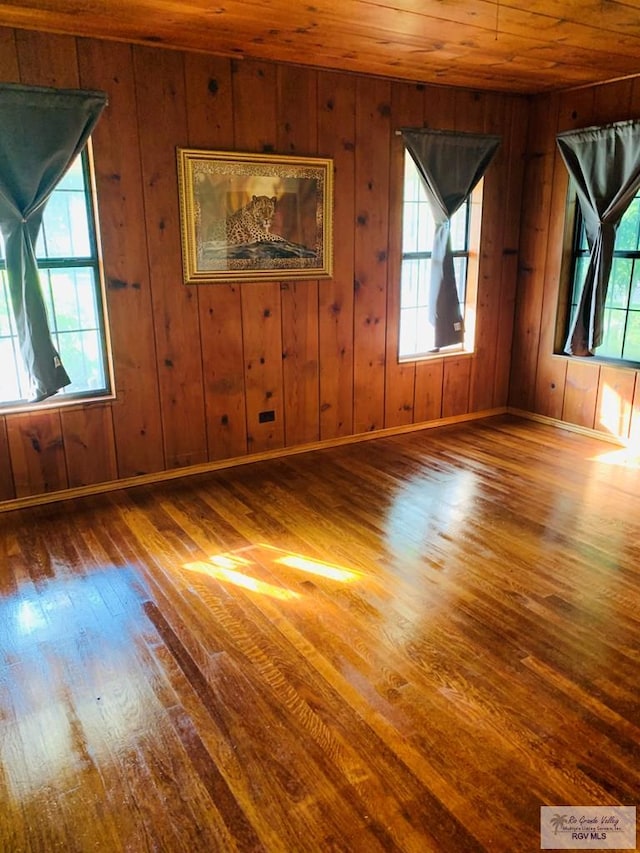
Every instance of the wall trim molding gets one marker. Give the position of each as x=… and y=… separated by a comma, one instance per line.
x=618, y=440
x=217, y=465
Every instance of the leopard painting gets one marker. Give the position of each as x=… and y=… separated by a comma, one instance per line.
x=252, y=223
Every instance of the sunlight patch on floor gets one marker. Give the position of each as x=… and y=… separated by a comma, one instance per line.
x=235, y=568
x=242, y=580
x=625, y=457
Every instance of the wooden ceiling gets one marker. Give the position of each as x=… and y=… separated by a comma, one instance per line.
x=509, y=45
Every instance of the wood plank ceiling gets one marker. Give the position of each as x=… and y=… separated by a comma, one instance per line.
x=526, y=46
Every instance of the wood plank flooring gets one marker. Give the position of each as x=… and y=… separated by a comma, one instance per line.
x=410, y=644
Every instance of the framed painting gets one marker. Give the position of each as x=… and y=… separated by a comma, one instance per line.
x=254, y=217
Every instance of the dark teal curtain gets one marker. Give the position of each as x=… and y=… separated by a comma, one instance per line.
x=42, y=131
x=604, y=163
x=450, y=165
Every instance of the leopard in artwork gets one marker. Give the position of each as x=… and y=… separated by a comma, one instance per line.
x=252, y=223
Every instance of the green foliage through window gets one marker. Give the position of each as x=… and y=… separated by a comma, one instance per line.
x=621, y=327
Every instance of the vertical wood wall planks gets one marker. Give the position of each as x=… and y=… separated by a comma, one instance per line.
x=373, y=127
x=614, y=403
x=47, y=60
x=297, y=135
x=581, y=393
x=255, y=129
x=161, y=127
x=533, y=250
x=209, y=97
x=455, y=384
x=7, y=489
x=37, y=453
x=407, y=110
x=254, y=105
x=439, y=108
x=613, y=101
x=469, y=110
x=551, y=371
x=336, y=139
x=263, y=365
x=429, y=390
x=89, y=445
x=517, y=143
x=136, y=410
x=490, y=262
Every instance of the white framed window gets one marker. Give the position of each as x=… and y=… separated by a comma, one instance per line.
x=417, y=333
x=68, y=257
x=621, y=322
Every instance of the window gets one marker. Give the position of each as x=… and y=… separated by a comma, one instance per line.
x=416, y=331
x=621, y=325
x=70, y=278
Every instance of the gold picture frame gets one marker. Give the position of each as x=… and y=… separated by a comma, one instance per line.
x=254, y=217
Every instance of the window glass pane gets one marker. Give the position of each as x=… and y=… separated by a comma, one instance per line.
x=417, y=228
x=613, y=333
x=6, y=317
x=65, y=229
x=81, y=354
x=408, y=331
x=459, y=229
x=413, y=188
x=634, y=297
x=424, y=279
x=460, y=269
x=627, y=234
x=619, y=283
x=583, y=243
x=74, y=295
x=409, y=283
x=417, y=219
x=582, y=264
x=632, y=337
x=65, y=308
x=74, y=177
x=10, y=389
x=417, y=336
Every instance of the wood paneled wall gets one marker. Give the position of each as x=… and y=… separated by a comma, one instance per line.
x=576, y=390
x=195, y=365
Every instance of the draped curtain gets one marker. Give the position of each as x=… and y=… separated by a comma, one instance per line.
x=604, y=163
x=450, y=165
x=42, y=131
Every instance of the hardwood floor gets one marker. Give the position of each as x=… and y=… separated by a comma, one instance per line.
x=408, y=644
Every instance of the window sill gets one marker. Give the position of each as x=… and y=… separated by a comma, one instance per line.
x=78, y=400
x=600, y=360
x=448, y=352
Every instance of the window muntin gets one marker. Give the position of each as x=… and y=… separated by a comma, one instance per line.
x=621, y=322
x=68, y=262
x=417, y=334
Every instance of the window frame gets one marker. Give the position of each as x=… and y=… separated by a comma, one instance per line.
x=95, y=262
x=574, y=223
x=472, y=255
